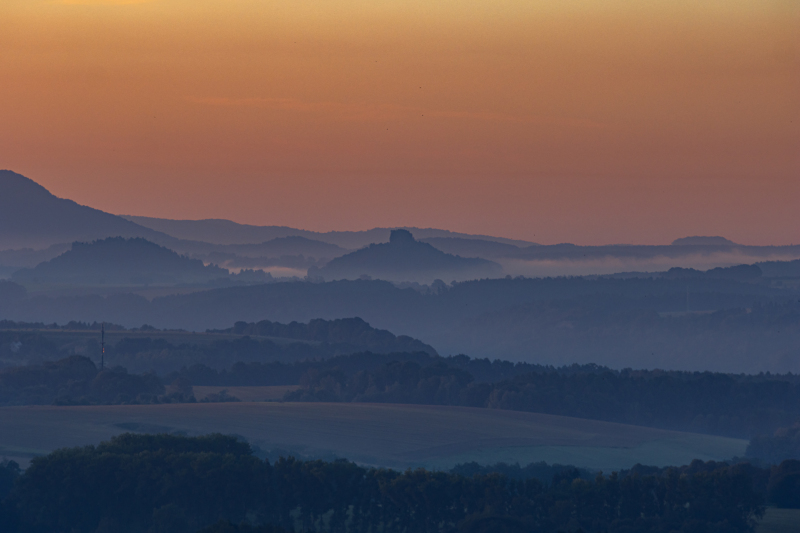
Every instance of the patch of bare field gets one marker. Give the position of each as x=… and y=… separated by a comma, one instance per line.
x=779, y=521
x=398, y=436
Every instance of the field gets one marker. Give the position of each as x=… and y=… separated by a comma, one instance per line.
x=780, y=521
x=398, y=436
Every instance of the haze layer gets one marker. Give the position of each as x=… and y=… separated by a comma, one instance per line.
x=590, y=122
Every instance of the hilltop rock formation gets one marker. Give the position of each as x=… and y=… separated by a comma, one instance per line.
x=405, y=259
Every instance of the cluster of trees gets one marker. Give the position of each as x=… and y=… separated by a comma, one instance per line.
x=733, y=405
x=289, y=373
x=738, y=273
x=783, y=444
x=542, y=471
x=77, y=381
x=141, y=354
x=740, y=406
x=138, y=483
x=342, y=332
x=72, y=325
x=265, y=341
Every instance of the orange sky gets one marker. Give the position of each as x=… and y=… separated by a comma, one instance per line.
x=572, y=120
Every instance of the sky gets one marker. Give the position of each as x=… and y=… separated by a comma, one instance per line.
x=584, y=121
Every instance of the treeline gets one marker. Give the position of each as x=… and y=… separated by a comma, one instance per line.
x=138, y=483
x=542, y=471
x=343, y=331
x=72, y=325
x=732, y=405
x=783, y=444
x=739, y=406
x=262, y=342
x=77, y=381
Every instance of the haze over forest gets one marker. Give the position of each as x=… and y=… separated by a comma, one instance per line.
x=429, y=267
x=453, y=291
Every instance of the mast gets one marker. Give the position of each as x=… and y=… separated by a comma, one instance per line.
x=102, y=345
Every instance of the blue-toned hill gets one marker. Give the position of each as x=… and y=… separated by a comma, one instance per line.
x=32, y=217
x=120, y=261
x=405, y=259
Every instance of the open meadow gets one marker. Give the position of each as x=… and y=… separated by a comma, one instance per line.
x=398, y=436
x=780, y=521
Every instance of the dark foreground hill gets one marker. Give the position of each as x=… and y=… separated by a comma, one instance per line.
x=150, y=483
x=31, y=217
x=405, y=259
x=120, y=261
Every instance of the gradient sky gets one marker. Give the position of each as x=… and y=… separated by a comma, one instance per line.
x=562, y=120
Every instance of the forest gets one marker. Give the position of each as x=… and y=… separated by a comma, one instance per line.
x=137, y=483
x=686, y=323
x=705, y=402
x=146, y=349
x=764, y=408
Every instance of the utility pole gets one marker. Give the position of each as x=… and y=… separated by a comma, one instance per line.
x=102, y=345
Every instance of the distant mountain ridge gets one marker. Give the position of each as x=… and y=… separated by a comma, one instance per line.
x=703, y=241
x=220, y=231
x=290, y=245
x=32, y=217
x=472, y=247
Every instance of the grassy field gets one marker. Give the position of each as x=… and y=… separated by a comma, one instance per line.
x=780, y=521
x=398, y=436
x=247, y=394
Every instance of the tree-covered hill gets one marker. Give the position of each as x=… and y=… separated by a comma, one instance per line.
x=146, y=483
x=405, y=259
x=684, y=323
x=120, y=261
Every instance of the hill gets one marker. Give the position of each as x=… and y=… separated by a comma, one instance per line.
x=351, y=334
x=219, y=231
x=405, y=259
x=284, y=256
x=149, y=349
x=679, y=253
x=32, y=217
x=119, y=261
x=291, y=245
x=703, y=241
x=724, y=325
x=471, y=247
x=377, y=434
x=780, y=269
